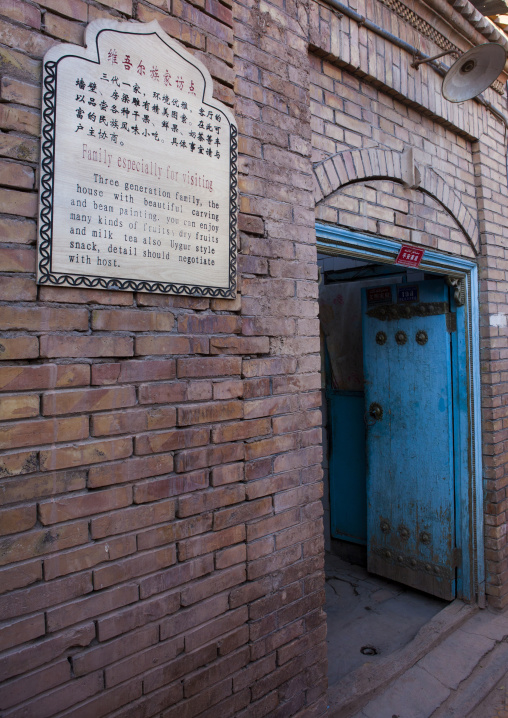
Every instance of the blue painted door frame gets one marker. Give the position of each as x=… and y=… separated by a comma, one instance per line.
x=465, y=362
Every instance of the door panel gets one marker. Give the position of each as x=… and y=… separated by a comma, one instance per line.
x=409, y=415
x=348, y=495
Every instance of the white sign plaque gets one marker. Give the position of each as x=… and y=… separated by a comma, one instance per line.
x=138, y=187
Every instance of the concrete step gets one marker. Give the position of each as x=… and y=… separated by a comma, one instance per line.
x=359, y=688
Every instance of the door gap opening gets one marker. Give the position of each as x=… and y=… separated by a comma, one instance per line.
x=369, y=616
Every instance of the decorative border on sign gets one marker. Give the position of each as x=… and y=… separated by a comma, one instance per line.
x=46, y=277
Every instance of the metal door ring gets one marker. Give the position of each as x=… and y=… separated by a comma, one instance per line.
x=421, y=337
x=381, y=338
x=400, y=337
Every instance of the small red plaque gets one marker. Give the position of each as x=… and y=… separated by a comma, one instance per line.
x=409, y=256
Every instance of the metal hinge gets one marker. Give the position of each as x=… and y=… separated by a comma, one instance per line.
x=451, y=322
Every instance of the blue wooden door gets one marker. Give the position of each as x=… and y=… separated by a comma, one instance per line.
x=409, y=417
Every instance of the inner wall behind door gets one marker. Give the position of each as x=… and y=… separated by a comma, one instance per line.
x=340, y=287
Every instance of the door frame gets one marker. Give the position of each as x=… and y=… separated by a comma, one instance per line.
x=468, y=481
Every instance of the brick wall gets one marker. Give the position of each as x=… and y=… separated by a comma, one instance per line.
x=160, y=478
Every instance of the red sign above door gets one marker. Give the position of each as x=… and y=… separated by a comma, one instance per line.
x=409, y=256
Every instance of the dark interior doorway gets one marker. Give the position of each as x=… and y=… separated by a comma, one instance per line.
x=368, y=615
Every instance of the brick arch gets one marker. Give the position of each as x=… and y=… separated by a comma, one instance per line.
x=351, y=166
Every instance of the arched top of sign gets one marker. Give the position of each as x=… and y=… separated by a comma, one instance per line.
x=138, y=167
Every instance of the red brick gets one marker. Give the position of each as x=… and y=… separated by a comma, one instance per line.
x=276, y=561
x=43, y=431
x=27, y=658
x=192, y=547
x=174, y=531
x=39, y=485
x=53, y=345
x=188, y=618
x=180, y=666
x=267, y=447
x=228, y=389
x=133, y=371
x=250, y=591
x=82, y=454
x=73, y=507
x=19, y=406
x=19, y=348
x=134, y=566
x=273, y=524
x=132, y=519
x=142, y=661
x=132, y=469
x=240, y=514
x=77, y=295
x=210, y=456
x=298, y=496
x=213, y=629
x=134, y=421
x=61, y=698
x=174, y=392
x=90, y=607
x=176, y=576
x=208, y=366
x=209, y=500
x=17, y=519
x=107, y=701
x=49, y=376
x=154, y=345
x=43, y=318
x=81, y=401
x=241, y=430
x=253, y=388
x=136, y=616
x=101, y=655
x=16, y=229
x=239, y=345
x=269, y=367
x=156, y=489
x=43, y=595
x=209, y=413
x=13, y=634
x=209, y=324
x=170, y=440
x=133, y=320
x=20, y=576
x=218, y=582
x=272, y=484
x=88, y=556
x=15, y=289
x=32, y=685
x=216, y=672
x=230, y=556
x=270, y=406
x=40, y=542
x=227, y=474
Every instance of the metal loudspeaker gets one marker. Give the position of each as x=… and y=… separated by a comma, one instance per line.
x=473, y=72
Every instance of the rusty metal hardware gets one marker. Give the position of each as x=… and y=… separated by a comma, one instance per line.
x=422, y=337
x=404, y=533
x=400, y=337
x=381, y=338
x=373, y=414
x=451, y=322
x=385, y=526
x=425, y=537
x=389, y=312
